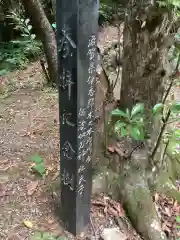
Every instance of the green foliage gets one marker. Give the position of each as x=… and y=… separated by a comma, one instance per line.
x=130, y=123
x=108, y=8
x=54, y=25
x=158, y=108
x=178, y=224
x=170, y=4
x=46, y=236
x=38, y=166
x=133, y=123
x=17, y=53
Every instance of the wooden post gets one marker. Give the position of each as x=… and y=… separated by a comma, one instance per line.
x=77, y=25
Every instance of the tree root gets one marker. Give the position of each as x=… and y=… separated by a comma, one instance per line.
x=137, y=201
x=167, y=188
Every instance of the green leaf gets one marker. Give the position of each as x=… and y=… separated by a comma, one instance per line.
x=178, y=219
x=137, y=133
x=36, y=159
x=175, y=107
x=123, y=132
x=37, y=236
x=119, y=125
x=33, y=36
x=29, y=27
x=117, y=112
x=27, y=21
x=44, y=236
x=54, y=25
x=158, y=108
x=128, y=112
x=138, y=108
x=39, y=168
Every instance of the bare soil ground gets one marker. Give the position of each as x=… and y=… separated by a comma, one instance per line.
x=28, y=127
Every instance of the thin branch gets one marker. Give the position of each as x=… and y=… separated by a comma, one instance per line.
x=160, y=135
x=164, y=153
x=134, y=149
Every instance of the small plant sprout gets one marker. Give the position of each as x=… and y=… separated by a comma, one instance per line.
x=38, y=166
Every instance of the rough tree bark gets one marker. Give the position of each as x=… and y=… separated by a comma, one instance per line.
x=40, y=22
x=143, y=76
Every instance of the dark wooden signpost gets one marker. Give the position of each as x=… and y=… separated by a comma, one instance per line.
x=77, y=25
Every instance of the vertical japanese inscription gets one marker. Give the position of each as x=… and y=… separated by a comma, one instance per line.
x=86, y=118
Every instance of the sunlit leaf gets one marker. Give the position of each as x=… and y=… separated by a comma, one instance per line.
x=33, y=36
x=36, y=159
x=39, y=168
x=128, y=112
x=27, y=21
x=138, y=108
x=29, y=27
x=119, y=125
x=123, y=132
x=117, y=112
x=158, y=108
x=178, y=219
x=120, y=128
x=54, y=25
x=28, y=224
x=137, y=133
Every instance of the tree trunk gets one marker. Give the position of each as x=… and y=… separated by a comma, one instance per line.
x=143, y=78
x=40, y=22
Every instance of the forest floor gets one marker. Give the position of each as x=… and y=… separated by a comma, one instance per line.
x=29, y=127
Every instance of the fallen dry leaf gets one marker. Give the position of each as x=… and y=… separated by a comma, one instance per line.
x=28, y=224
x=111, y=149
x=32, y=187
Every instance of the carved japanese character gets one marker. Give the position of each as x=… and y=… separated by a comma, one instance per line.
x=91, y=80
x=67, y=150
x=92, y=41
x=90, y=123
x=91, y=68
x=68, y=180
x=84, y=152
x=66, y=42
x=81, y=180
x=90, y=115
x=66, y=80
x=82, y=125
x=82, y=112
x=66, y=119
x=91, y=91
x=81, y=135
x=91, y=102
x=81, y=145
x=91, y=53
x=88, y=160
x=80, y=190
x=89, y=140
x=81, y=168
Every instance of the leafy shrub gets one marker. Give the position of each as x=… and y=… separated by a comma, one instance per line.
x=17, y=53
